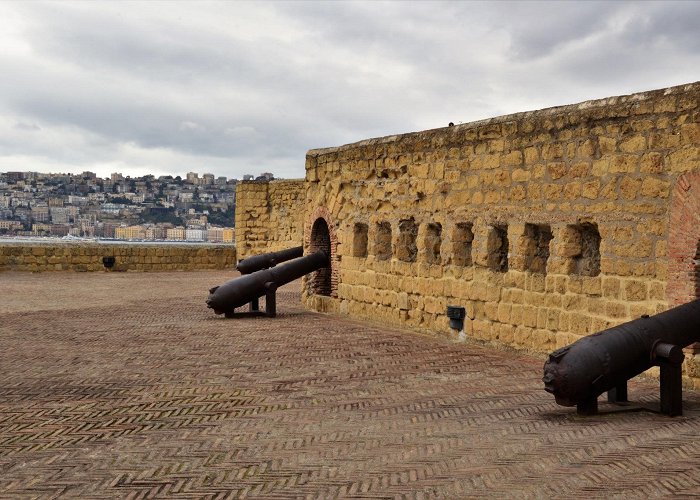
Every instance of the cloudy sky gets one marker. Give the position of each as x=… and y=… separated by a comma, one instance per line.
x=234, y=88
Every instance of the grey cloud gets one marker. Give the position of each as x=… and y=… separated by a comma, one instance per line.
x=539, y=29
x=31, y=127
x=148, y=53
x=245, y=65
x=650, y=47
x=259, y=84
x=100, y=50
x=672, y=23
x=619, y=25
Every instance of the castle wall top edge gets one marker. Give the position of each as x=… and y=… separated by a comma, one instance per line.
x=523, y=115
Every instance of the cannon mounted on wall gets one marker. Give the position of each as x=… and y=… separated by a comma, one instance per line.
x=267, y=260
x=578, y=373
x=224, y=299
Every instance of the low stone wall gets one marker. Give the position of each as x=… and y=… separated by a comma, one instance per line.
x=72, y=256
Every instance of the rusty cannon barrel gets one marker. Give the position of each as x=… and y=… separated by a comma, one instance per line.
x=578, y=373
x=249, y=287
x=267, y=260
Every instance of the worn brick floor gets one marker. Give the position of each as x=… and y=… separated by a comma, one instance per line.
x=126, y=385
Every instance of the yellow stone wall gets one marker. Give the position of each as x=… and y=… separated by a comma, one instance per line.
x=40, y=257
x=269, y=216
x=609, y=164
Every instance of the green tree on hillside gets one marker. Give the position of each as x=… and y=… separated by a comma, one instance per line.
x=222, y=218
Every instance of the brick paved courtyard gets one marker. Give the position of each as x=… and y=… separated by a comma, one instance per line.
x=126, y=385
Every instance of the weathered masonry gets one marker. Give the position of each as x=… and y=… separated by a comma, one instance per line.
x=545, y=225
x=269, y=216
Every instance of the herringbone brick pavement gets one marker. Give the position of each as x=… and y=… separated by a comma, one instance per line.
x=126, y=385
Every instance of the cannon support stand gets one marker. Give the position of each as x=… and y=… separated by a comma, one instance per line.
x=669, y=358
x=254, y=305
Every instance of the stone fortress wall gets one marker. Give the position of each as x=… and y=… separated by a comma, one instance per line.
x=546, y=225
x=269, y=216
x=72, y=256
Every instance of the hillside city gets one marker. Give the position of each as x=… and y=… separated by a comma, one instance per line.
x=165, y=208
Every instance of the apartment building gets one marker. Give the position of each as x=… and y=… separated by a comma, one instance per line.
x=195, y=234
x=130, y=233
x=176, y=234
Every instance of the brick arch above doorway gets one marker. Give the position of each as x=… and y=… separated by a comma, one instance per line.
x=684, y=236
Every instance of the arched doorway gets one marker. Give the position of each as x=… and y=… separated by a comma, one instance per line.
x=684, y=243
x=320, y=282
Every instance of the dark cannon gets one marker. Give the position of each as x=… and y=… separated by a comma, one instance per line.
x=250, y=287
x=267, y=260
x=577, y=374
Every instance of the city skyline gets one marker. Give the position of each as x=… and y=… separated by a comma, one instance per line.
x=230, y=88
x=188, y=175
x=117, y=207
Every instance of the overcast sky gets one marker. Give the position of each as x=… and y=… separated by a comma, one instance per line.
x=235, y=88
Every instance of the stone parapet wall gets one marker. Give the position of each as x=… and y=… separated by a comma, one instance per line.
x=71, y=256
x=546, y=226
x=269, y=216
